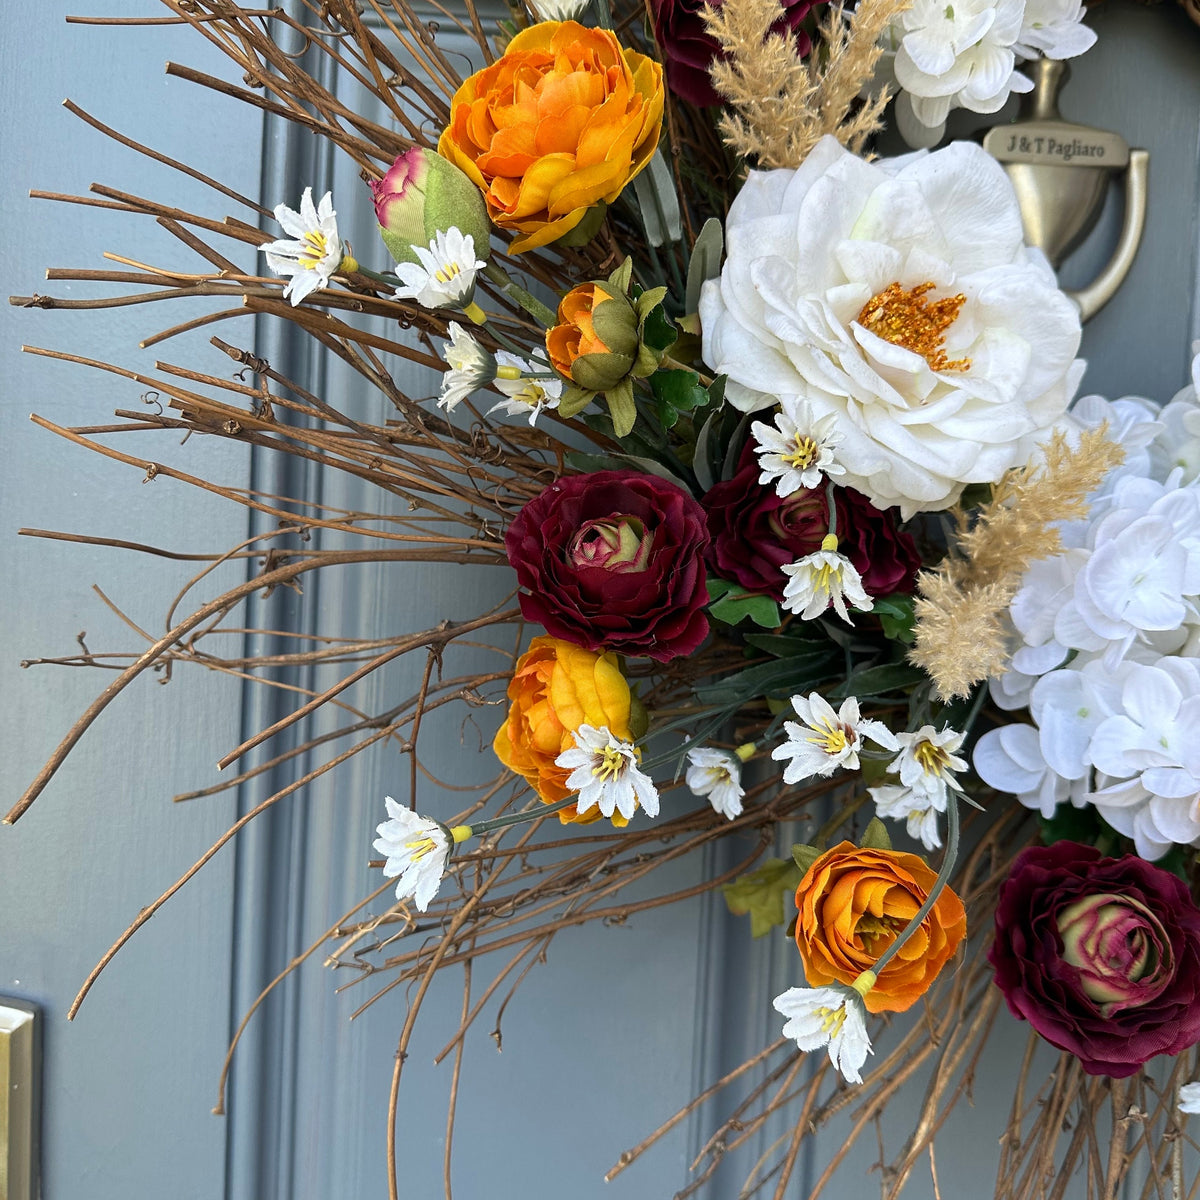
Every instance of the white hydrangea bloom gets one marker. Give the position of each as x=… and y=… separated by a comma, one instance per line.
x=604, y=772
x=1054, y=28
x=818, y=580
x=717, y=775
x=1107, y=644
x=832, y=1017
x=445, y=276
x=827, y=740
x=416, y=849
x=960, y=55
x=841, y=287
x=797, y=452
x=314, y=251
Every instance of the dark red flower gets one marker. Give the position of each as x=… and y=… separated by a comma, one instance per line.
x=1100, y=955
x=614, y=561
x=687, y=48
x=755, y=534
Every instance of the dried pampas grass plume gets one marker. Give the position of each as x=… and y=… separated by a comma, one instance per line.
x=781, y=105
x=960, y=631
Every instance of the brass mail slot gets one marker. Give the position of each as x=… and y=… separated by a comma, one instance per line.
x=19, y=1052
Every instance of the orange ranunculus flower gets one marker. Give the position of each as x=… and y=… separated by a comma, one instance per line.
x=853, y=902
x=564, y=120
x=575, y=333
x=556, y=688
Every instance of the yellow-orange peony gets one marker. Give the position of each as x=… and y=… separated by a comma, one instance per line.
x=563, y=121
x=853, y=902
x=555, y=688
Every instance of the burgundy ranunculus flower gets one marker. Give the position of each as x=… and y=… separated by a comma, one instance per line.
x=755, y=534
x=614, y=561
x=687, y=48
x=1100, y=955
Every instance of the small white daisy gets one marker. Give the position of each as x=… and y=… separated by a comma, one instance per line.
x=824, y=578
x=523, y=396
x=827, y=739
x=716, y=774
x=313, y=253
x=445, y=276
x=416, y=849
x=828, y=1016
x=558, y=10
x=471, y=366
x=604, y=772
x=798, y=452
x=926, y=764
x=1189, y=1098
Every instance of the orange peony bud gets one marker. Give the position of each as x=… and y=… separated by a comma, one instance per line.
x=555, y=688
x=853, y=903
x=560, y=123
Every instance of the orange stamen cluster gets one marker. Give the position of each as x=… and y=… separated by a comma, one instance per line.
x=906, y=319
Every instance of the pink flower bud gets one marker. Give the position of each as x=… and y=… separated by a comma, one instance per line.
x=423, y=194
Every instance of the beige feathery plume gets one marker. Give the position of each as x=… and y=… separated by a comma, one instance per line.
x=780, y=106
x=960, y=631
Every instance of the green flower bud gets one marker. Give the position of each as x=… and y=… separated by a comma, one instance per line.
x=423, y=194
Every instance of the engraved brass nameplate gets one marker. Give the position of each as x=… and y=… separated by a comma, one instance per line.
x=19, y=1068
x=1056, y=144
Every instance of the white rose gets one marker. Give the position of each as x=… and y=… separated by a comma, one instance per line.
x=955, y=392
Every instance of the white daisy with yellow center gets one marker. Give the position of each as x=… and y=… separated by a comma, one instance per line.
x=927, y=765
x=797, y=453
x=827, y=740
x=830, y=1016
x=604, y=772
x=528, y=390
x=445, y=276
x=818, y=580
x=417, y=850
x=314, y=251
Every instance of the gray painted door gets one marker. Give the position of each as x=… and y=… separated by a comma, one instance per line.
x=621, y=1025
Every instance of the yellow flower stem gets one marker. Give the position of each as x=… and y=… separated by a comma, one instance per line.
x=474, y=313
x=531, y=304
x=746, y=751
x=943, y=878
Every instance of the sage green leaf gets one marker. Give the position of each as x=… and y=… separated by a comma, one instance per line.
x=621, y=407
x=804, y=857
x=896, y=616
x=599, y=372
x=622, y=276
x=760, y=894
x=876, y=836
x=574, y=400
x=705, y=262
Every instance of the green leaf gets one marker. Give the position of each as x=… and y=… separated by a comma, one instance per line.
x=658, y=202
x=657, y=331
x=574, y=400
x=896, y=616
x=762, y=610
x=804, y=857
x=876, y=836
x=1071, y=824
x=879, y=681
x=760, y=894
x=705, y=262
x=781, y=678
x=730, y=602
x=618, y=462
x=781, y=645
x=676, y=392
x=621, y=407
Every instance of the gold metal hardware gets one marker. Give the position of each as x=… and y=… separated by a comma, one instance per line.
x=19, y=1067
x=1061, y=172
